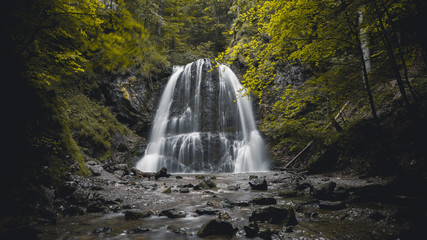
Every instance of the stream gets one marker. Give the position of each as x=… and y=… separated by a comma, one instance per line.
x=113, y=199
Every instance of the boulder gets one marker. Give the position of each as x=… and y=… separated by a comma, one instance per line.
x=216, y=227
x=162, y=173
x=251, y=230
x=172, y=213
x=134, y=215
x=324, y=191
x=274, y=215
x=167, y=190
x=258, y=184
x=207, y=211
x=205, y=184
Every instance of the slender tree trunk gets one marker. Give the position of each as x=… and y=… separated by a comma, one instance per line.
x=159, y=22
x=391, y=55
x=395, y=37
x=405, y=69
x=366, y=81
x=363, y=62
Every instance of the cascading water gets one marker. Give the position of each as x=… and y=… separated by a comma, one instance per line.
x=204, y=124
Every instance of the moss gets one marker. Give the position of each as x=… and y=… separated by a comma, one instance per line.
x=92, y=126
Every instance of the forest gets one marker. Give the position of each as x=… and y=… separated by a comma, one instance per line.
x=338, y=87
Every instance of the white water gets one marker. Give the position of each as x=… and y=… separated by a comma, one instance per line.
x=204, y=124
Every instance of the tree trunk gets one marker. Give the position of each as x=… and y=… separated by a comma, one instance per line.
x=391, y=55
x=365, y=70
x=159, y=22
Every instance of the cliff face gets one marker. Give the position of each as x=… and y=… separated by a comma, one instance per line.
x=133, y=98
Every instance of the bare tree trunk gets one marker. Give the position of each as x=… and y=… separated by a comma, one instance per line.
x=391, y=55
x=364, y=50
x=159, y=22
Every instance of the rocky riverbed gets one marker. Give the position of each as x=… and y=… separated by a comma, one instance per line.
x=270, y=205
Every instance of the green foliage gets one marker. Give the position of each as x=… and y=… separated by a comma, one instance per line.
x=325, y=39
x=187, y=30
x=60, y=38
x=92, y=126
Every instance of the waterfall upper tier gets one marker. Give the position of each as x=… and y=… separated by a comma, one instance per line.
x=204, y=124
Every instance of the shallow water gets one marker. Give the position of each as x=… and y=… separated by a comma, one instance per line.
x=352, y=222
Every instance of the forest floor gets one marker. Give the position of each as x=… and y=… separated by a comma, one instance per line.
x=326, y=206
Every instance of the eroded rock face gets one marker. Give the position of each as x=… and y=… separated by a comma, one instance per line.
x=133, y=98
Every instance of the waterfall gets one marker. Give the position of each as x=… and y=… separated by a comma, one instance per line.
x=204, y=124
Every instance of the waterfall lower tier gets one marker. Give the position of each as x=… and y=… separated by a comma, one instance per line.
x=204, y=124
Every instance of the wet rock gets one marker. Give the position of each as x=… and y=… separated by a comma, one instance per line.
x=264, y=201
x=179, y=177
x=266, y=234
x=332, y=205
x=288, y=193
x=233, y=187
x=325, y=191
x=134, y=215
x=181, y=231
x=216, y=227
x=95, y=207
x=224, y=216
x=227, y=204
x=167, y=190
x=189, y=185
x=258, y=184
x=213, y=204
x=162, y=173
x=274, y=215
x=184, y=190
x=303, y=185
x=205, y=184
x=241, y=204
x=101, y=230
x=138, y=230
x=311, y=214
x=172, y=213
x=251, y=230
x=207, y=211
